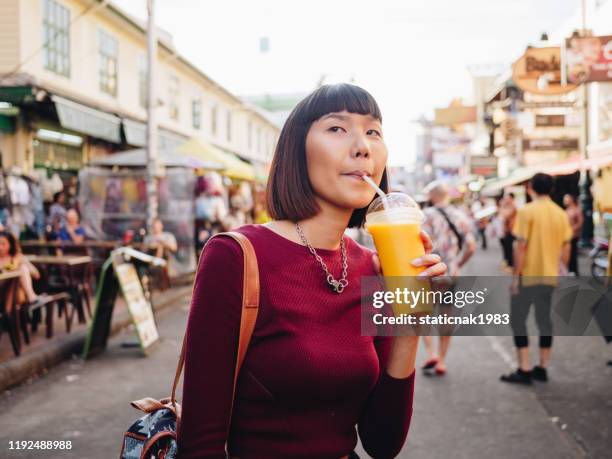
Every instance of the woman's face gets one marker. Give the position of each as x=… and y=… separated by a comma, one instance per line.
x=340, y=148
x=5, y=247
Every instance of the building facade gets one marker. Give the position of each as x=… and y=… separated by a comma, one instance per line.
x=73, y=86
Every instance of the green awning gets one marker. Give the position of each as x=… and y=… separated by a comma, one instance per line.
x=7, y=123
x=16, y=94
x=86, y=120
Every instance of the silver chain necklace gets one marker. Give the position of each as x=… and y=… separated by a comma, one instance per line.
x=336, y=285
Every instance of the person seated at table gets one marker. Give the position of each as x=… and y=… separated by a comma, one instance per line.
x=11, y=259
x=160, y=242
x=72, y=231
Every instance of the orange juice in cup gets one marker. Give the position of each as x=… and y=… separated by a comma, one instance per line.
x=395, y=225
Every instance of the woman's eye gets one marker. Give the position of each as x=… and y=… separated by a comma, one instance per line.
x=374, y=132
x=336, y=129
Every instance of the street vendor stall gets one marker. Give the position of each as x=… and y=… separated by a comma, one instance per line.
x=113, y=199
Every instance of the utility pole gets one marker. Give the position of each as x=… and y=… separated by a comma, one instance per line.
x=586, y=199
x=151, y=119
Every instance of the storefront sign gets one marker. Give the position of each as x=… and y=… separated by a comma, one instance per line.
x=538, y=71
x=139, y=307
x=550, y=144
x=549, y=120
x=589, y=59
x=119, y=275
x=455, y=115
x=483, y=165
x=444, y=160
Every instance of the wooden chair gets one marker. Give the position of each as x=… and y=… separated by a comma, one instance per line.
x=46, y=302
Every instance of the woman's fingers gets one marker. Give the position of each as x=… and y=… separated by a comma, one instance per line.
x=439, y=269
x=427, y=260
x=427, y=244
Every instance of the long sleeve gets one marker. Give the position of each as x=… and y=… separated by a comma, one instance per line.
x=384, y=423
x=212, y=338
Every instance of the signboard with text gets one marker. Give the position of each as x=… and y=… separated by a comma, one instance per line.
x=550, y=144
x=589, y=59
x=538, y=71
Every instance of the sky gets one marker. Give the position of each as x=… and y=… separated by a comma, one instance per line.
x=412, y=55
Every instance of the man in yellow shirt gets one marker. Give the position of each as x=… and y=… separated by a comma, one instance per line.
x=543, y=235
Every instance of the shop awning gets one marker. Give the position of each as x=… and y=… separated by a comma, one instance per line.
x=577, y=163
x=86, y=120
x=233, y=167
x=136, y=135
x=138, y=158
x=495, y=186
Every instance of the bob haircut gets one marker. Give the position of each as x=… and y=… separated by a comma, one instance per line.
x=289, y=194
x=14, y=248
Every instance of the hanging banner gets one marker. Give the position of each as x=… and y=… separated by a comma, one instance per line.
x=589, y=59
x=538, y=71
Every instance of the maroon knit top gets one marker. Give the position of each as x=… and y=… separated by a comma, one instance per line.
x=309, y=380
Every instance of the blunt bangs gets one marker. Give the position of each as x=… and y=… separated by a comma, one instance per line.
x=337, y=98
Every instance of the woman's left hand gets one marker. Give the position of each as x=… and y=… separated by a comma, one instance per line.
x=431, y=261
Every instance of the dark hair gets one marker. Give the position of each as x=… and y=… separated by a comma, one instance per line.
x=289, y=194
x=57, y=196
x=511, y=195
x=542, y=184
x=14, y=248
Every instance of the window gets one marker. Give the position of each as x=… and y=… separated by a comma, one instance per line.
x=56, y=36
x=213, y=118
x=142, y=81
x=250, y=134
x=229, y=126
x=109, y=50
x=173, y=97
x=196, y=113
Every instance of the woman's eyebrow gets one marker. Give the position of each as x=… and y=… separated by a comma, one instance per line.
x=335, y=115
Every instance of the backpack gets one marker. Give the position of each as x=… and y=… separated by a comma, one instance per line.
x=154, y=435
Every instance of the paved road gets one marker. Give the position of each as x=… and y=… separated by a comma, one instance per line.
x=467, y=414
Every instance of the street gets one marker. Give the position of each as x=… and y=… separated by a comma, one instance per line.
x=467, y=413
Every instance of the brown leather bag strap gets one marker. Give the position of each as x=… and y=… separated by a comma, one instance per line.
x=250, y=305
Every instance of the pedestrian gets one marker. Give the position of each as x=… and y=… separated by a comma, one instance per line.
x=12, y=259
x=309, y=376
x=161, y=243
x=507, y=213
x=72, y=230
x=481, y=223
x=57, y=215
x=453, y=239
x=574, y=213
x=543, y=236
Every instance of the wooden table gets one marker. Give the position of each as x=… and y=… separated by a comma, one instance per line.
x=78, y=277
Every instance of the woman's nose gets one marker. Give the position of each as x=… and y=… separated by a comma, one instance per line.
x=360, y=149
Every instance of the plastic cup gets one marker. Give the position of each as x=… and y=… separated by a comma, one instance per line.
x=396, y=232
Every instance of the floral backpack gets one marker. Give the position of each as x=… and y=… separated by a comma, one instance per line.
x=154, y=435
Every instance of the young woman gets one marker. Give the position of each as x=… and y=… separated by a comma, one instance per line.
x=11, y=259
x=309, y=377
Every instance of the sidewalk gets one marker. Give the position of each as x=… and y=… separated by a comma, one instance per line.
x=42, y=353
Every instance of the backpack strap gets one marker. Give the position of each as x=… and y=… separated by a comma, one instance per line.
x=250, y=305
x=452, y=227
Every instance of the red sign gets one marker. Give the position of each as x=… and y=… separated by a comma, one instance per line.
x=589, y=59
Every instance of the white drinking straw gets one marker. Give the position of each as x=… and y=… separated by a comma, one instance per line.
x=380, y=192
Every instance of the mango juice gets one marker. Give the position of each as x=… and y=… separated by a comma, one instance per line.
x=397, y=245
x=395, y=228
